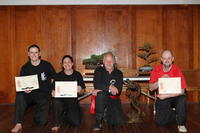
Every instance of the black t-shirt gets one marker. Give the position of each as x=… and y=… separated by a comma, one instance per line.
x=102, y=79
x=75, y=76
x=45, y=72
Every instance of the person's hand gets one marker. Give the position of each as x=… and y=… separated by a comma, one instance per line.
x=153, y=86
x=79, y=89
x=53, y=93
x=28, y=91
x=162, y=96
x=165, y=76
x=94, y=93
x=113, y=89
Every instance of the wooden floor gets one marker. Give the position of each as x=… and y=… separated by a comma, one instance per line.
x=147, y=126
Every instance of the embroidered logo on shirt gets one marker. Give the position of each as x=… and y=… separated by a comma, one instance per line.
x=43, y=76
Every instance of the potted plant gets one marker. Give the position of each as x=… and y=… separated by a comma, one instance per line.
x=146, y=51
x=94, y=61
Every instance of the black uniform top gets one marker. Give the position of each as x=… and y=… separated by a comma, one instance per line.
x=45, y=72
x=102, y=79
x=75, y=76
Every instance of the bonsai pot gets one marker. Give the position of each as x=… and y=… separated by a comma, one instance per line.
x=145, y=68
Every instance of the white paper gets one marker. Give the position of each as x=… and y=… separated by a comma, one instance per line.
x=26, y=83
x=65, y=89
x=169, y=85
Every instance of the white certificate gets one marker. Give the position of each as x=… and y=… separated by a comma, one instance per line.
x=26, y=83
x=169, y=85
x=65, y=89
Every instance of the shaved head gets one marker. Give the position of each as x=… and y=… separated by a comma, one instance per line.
x=167, y=53
x=167, y=58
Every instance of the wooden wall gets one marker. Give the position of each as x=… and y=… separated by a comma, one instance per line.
x=84, y=30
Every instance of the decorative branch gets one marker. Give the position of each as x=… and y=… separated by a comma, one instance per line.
x=147, y=51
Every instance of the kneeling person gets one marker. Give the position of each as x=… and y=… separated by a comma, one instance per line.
x=70, y=107
x=108, y=82
x=164, y=103
x=41, y=96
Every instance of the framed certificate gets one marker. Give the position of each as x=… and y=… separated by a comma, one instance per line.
x=169, y=85
x=65, y=89
x=26, y=83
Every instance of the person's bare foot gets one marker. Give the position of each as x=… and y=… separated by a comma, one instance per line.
x=17, y=127
x=55, y=128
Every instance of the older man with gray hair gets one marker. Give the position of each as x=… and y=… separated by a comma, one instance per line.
x=108, y=82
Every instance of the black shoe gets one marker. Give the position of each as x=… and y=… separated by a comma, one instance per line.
x=97, y=127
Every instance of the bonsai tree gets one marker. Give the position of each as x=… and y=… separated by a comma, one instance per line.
x=94, y=61
x=146, y=51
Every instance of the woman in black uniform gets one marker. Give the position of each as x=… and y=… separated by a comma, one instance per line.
x=69, y=107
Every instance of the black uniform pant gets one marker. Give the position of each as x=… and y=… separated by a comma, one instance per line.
x=113, y=113
x=68, y=110
x=40, y=99
x=164, y=113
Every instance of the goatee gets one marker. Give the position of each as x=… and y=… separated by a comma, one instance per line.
x=167, y=66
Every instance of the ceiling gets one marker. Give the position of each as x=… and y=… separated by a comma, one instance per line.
x=97, y=2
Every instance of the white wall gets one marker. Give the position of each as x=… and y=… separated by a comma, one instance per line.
x=96, y=2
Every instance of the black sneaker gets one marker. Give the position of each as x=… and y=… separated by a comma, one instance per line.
x=97, y=127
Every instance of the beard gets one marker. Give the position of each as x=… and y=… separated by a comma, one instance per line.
x=167, y=66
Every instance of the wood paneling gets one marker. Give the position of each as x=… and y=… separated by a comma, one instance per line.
x=193, y=85
x=103, y=29
x=87, y=36
x=197, y=36
x=5, y=58
x=149, y=26
x=56, y=33
x=85, y=30
x=196, y=27
x=27, y=32
x=179, y=34
x=117, y=34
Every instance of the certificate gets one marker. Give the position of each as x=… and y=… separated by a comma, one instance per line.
x=65, y=89
x=26, y=83
x=169, y=85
